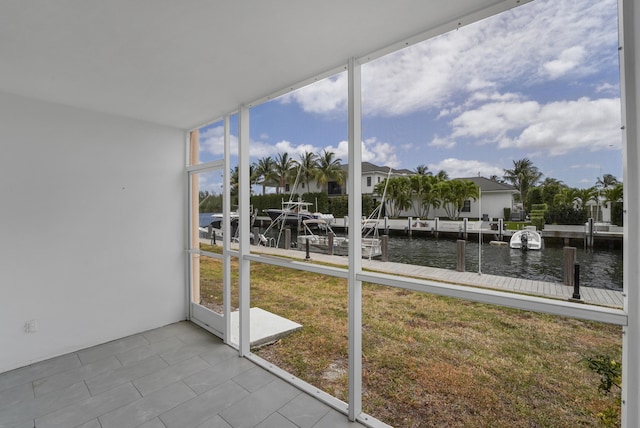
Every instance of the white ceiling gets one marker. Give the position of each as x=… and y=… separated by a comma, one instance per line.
x=185, y=62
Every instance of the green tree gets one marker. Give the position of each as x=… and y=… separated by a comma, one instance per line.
x=265, y=172
x=329, y=170
x=308, y=165
x=398, y=197
x=524, y=176
x=606, y=181
x=283, y=168
x=613, y=196
x=423, y=170
x=452, y=195
x=583, y=196
x=424, y=196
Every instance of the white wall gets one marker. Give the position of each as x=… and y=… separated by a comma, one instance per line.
x=91, y=228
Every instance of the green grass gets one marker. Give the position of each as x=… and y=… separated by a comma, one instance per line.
x=435, y=361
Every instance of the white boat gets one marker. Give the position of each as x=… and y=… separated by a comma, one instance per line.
x=293, y=213
x=526, y=239
x=319, y=242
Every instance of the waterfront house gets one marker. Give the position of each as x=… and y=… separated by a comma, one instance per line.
x=100, y=105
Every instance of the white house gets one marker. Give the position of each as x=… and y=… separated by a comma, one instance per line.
x=494, y=198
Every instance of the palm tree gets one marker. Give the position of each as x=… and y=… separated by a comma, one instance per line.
x=329, y=170
x=582, y=196
x=234, y=179
x=423, y=170
x=613, y=194
x=442, y=175
x=308, y=165
x=452, y=195
x=284, y=165
x=524, y=175
x=398, y=194
x=265, y=172
x=606, y=181
x=423, y=195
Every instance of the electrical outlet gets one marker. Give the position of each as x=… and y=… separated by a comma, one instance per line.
x=31, y=326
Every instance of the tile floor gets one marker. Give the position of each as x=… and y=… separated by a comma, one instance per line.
x=175, y=376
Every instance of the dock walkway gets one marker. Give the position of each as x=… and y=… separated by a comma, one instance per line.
x=590, y=295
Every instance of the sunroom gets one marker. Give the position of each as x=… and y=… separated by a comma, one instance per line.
x=116, y=115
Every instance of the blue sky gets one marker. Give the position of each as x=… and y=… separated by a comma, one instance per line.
x=539, y=81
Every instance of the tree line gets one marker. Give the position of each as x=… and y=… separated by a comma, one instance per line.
x=277, y=172
x=424, y=190
x=563, y=204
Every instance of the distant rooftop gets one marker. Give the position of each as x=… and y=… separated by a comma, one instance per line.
x=487, y=185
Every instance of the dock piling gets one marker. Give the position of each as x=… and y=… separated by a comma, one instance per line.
x=569, y=255
x=307, y=256
x=385, y=247
x=330, y=237
x=287, y=239
x=460, y=265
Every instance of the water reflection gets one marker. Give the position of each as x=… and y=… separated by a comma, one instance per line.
x=599, y=267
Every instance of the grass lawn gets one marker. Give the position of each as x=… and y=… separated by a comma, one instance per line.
x=435, y=361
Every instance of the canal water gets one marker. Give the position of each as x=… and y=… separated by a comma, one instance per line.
x=599, y=267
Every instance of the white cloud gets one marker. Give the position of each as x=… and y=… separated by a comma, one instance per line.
x=446, y=143
x=294, y=151
x=374, y=151
x=568, y=60
x=459, y=168
x=552, y=129
x=530, y=44
x=325, y=96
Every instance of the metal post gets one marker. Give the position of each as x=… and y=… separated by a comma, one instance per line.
x=244, y=190
x=464, y=228
x=629, y=23
x=306, y=244
x=576, y=281
x=409, y=228
x=460, y=265
x=354, y=187
x=437, y=222
x=500, y=226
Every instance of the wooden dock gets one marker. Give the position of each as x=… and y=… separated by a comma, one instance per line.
x=590, y=295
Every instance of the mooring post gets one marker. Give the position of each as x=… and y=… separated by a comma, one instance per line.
x=409, y=228
x=346, y=224
x=287, y=239
x=590, y=230
x=576, y=282
x=464, y=228
x=330, y=236
x=307, y=256
x=386, y=230
x=569, y=259
x=500, y=226
x=437, y=222
x=460, y=265
x=385, y=247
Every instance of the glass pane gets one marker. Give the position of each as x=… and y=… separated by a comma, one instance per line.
x=503, y=129
x=299, y=160
x=435, y=361
x=317, y=352
x=211, y=281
